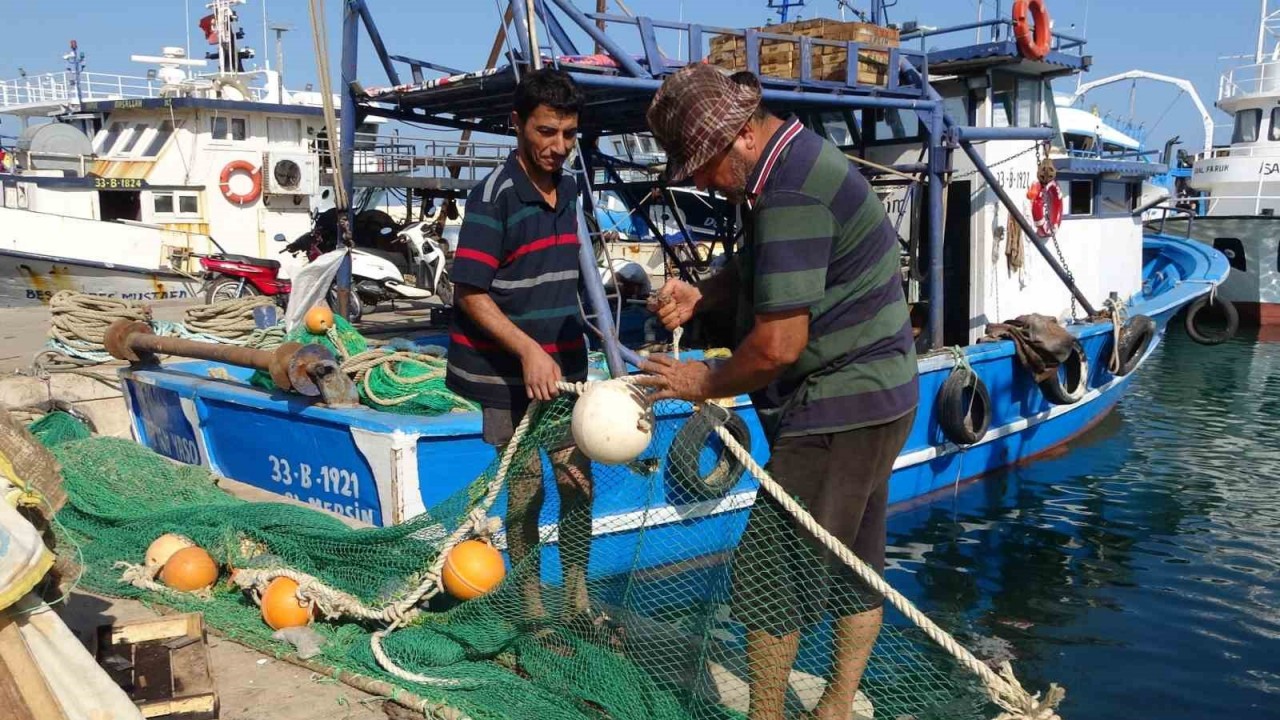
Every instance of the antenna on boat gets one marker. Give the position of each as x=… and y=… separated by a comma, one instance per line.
x=783, y=8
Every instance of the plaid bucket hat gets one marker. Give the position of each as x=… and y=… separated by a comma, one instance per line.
x=696, y=114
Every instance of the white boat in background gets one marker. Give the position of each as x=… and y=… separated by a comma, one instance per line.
x=1241, y=182
x=137, y=176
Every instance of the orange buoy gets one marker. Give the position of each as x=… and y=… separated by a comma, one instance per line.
x=472, y=569
x=189, y=569
x=318, y=320
x=281, y=607
x=163, y=548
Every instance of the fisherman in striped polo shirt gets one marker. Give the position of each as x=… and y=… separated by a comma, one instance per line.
x=824, y=348
x=519, y=330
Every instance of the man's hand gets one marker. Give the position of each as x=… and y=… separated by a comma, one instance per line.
x=674, y=379
x=675, y=303
x=541, y=374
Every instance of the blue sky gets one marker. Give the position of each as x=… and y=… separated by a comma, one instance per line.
x=1184, y=38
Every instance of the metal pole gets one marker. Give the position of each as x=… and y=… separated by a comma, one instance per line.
x=596, y=300
x=937, y=227
x=622, y=57
x=347, y=145
x=1027, y=228
x=531, y=15
x=517, y=8
x=601, y=7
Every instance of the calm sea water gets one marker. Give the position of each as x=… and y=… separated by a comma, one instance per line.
x=1141, y=568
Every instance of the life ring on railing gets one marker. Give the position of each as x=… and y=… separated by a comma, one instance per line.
x=964, y=407
x=1068, y=384
x=1207, y=336
x=1046, y=207
x=1033, y=42
x=695, y=438
x=1135, y=338
x=224, y=182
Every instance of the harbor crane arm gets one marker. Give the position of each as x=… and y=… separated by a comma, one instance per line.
x=1184, y=85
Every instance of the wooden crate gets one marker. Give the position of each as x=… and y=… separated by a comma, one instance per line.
x=781, y=58
x=163, y=665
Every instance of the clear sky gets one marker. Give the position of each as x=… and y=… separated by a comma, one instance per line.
x=1183, y=38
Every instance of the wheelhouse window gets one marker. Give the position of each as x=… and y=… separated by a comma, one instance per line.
x=1115, y=198
x=107, y=138
x=284, y=131
x=1274, y=135
x=896, y=124
x=172, y=205
x=226, y=128
x=837, y=127
x=1080, y=201
x=1248, y=122
x=134, y=136
x=162, y=135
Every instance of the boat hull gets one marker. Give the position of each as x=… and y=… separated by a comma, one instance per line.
x=1252, y=246
x=385, y=469
x=29, y=280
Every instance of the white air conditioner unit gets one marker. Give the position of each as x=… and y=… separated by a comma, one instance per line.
x=290, y=173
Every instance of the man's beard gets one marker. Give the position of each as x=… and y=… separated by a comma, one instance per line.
x=739, y=169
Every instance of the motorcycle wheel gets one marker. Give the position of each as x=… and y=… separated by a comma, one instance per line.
x=355, y=306
x=444, y=289
x=227, y=288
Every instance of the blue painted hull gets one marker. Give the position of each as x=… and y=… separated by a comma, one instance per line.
x=385, y=469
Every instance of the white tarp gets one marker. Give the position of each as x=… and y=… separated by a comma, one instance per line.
x=311, y=286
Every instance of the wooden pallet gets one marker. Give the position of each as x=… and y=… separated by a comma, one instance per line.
x=163, y=665
x=781, y=58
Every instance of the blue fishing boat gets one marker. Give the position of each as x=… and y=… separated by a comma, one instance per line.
x=953, y=139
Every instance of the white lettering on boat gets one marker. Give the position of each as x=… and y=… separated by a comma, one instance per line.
x=351, y=511
x=46, y=295
x=171, y=445
x=334, y=481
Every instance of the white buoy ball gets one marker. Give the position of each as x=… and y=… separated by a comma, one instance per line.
x=612, y=423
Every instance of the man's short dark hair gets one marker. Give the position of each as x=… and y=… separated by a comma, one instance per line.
x=549, y=86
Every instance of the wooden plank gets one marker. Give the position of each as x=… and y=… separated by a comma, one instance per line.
x=162, y=628
x=190, y=670
x=21, y=680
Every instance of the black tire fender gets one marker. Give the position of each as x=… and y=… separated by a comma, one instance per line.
x=964, y=407
x=1200, y=335
x=1071, y=389
x=1135, y=338
x=683, y=469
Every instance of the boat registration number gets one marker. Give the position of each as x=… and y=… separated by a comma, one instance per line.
x=335, y=481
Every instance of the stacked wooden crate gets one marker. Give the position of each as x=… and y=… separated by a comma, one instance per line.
x=781, y=58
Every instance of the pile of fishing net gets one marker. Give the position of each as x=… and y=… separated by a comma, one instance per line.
x=393, y=378
x=661, y=637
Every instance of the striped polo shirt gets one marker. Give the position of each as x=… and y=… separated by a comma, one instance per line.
x=524, y=253
x=818, y=237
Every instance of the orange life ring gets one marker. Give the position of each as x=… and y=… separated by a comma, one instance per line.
x=1046, y=207
x=1033, y=44
x=224, y=183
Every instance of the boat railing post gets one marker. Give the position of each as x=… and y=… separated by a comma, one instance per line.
x=938, y=156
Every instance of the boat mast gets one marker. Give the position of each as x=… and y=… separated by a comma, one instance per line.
x=1262, y=33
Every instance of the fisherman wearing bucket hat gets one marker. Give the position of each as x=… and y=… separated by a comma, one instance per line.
x=825, y=348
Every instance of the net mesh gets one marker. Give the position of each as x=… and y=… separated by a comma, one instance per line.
x=625, y=594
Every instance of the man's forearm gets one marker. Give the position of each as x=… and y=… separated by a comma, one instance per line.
x=485, y=312
x=764, y=354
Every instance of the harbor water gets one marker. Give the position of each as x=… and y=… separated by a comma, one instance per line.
x=1139, y=567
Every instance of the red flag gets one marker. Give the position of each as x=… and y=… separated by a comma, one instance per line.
x=210, y=34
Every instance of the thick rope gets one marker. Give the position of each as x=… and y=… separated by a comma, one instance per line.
x=78, y=326
x=1003, y=688
x=228, y=321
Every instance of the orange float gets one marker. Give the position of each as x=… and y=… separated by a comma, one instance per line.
x=189, y=569
x=318, y=320
x=1031, y=29
x=163, y=548
x=1046, y=207
x=472, y=569
x=224, y=182
x=281, y=607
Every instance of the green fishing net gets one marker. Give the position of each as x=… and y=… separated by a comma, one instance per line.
x=653, y=632
x=410, y=383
